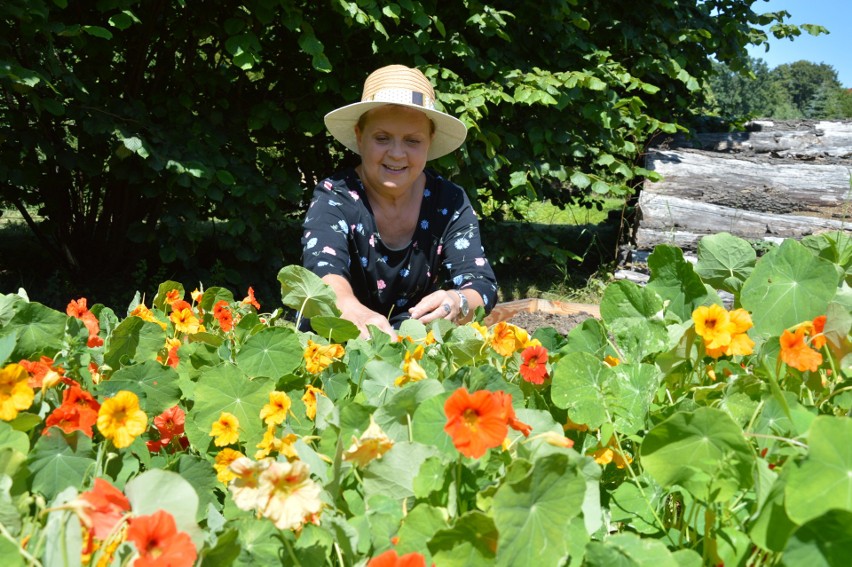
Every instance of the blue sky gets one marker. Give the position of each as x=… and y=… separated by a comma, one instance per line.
x=834, y=49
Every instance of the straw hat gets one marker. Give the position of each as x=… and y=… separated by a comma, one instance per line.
x=398, y=84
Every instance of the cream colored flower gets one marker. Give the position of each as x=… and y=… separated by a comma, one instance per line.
x=372, y=444
x=287, y=494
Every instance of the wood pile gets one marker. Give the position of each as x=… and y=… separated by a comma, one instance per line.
x=781, y=180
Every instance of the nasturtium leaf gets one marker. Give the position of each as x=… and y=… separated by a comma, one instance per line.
x=259, y=541
x=379, y=383
x=725, y=261
x=630, y=550
x=58, y=461
x=789, y=285
x=225, y=388
x=635, y=386
x=213, y=295
x=630, y=506
x=334, y=329
x=7, y=345
x=159, y=489
x=37, y=329
x=384, y=515
x=395, y=414
x=675, y=281
x=771, y=527
x=304, y=292
x=162, y=291
x=624, y=299
x=10, y=552
x=155, y=384
x=202, y=476
x=134, y=340
x=823, y=481
x=432, y=478
x=582, y=385
x=704, y=451
x=471, y=541
x=62, y=534
x=418, y=527
x=589, y=336
x=395, y=472
x=428, y=425
x=532, y=511
x=823, y=541
x=635, y=315
x=273, y=352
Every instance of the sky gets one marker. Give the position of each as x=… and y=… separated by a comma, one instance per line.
x=834, y=49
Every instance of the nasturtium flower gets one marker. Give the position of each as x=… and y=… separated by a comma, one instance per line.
x=275, y=412
x=372, y=444
x=506, y=338
x=196, y=295
x=244, y=487
x=611, y=361
x=741, y=343
x=43, y=373
x=15, y=392
x=146, y=315
x=509, y=413
x=171, y=424
x=609, y=453
x=222, y=464
x=795, y=351
x=534, y=364
x=172, y=358
x=250, y=300
x=225, y=430
x=481, y=329
x=287, y=495
x=270, y=444
x=78, y=412
x=475, y=422
x=310, y=400
x=817, y=337
x=411, y=369
x=390, y=559
x=173, y=295
x=121, y=420
x=159, y=542
x=186, y=322
x=713, y=324
x=77, y=308
x=571, y=425
x=318, y=357
x=555, y=439
x=222, y=314
x=102, y=508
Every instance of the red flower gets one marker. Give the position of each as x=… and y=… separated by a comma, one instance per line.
x=534, y=366
x=223, y=315
x=159, y=542
x=79, y=310
x=170, y=424
x=250, y=300
x=40, y=370
x=475, y=422
x=79, y=411
x=509, y=413
x=103, y=508
x=390, y=559
x=179, y=305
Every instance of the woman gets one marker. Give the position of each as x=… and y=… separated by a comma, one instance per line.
x=392, y=239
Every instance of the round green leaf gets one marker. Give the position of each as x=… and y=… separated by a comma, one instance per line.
x=470, y=542
x=394, y=473
x=581, y=384
x=703, y=451
x=725, y=261
x=58, y=461
x=823, y=541
x=823, y=481
x=155, y=384
x=273, y=352
x=38, y=330
x=788, y=285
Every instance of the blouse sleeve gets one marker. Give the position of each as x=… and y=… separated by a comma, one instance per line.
x=463, y=255
x=325, y=246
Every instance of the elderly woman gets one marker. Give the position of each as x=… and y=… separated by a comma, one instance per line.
x=393, y=239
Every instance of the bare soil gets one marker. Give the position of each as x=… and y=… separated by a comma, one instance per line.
x=533, y=320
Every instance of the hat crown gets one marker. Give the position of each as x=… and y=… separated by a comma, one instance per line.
x=396, y=79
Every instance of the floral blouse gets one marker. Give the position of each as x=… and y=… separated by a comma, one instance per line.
x=340, y=237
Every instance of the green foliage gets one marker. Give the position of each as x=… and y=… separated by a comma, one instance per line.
x=138, y=126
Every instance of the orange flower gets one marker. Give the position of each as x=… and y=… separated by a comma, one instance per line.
x=605, y=455
x=173, y=295
x=411, y=369
x=509, y=413
x=818, y=338
x=507, y=338
x=223, y=315
x=476, y=422
x=170, y=424
x=611, y=361
x=250, y=300
x=159, y=542
x=42, y=373
x=534, y=366
x=571, y=425
x=79, y=411
x=390, y=559
x=196, y=295
x=102, y=508
x=79, y=310
x=146, y=315
x=796, y=353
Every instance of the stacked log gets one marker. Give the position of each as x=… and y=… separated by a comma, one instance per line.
x=780, y=181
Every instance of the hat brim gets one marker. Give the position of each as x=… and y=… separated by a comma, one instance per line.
x=450, y=132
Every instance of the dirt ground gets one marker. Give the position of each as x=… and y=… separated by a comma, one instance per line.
x=532, y=320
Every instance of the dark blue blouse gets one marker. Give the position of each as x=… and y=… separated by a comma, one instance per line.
x=340, y=237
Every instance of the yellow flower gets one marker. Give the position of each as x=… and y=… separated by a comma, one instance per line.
x=741, y=344
x=196, y=295
x=411, y=369
x=186, y=322
x=310, y=399
x=275, y=412
x=714, y=325
x=610, y=454
x=15, y=394
x=121, y=420
x=146, y=315
x=271, y=444
x=319, y=357
x=481, y=329
x=225, y=430
x=372, y=444
x=222, y=464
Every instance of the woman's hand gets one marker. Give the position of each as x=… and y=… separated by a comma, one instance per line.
x=363, y=317
x=442, y=304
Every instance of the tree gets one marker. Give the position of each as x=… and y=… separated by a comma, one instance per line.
x=159, y=123
x=805, y=81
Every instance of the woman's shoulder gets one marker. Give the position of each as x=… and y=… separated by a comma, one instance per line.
x=343, y=183
x=444, y=191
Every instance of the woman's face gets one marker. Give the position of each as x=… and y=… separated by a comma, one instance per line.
x=393, y=142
